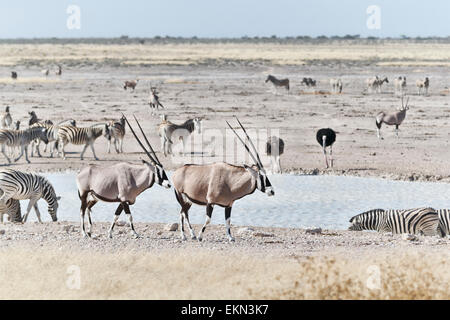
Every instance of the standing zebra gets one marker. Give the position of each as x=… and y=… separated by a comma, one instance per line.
x=274, y=149
x=12, y=209
x=117, y=132
x=21, y=138
x=80, y=136
x=326, y=137
x=414, y=221
x=52, y=136
x=278, y=82
x=444, y=221
x=21, y=186
x=154, y=102
x=6, y=119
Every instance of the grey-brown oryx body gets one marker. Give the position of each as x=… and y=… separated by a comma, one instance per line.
x=122, y=183
x=217, y=184
x=392, y=119
x=170, y=133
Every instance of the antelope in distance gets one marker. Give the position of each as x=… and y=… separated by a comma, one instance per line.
x=336, y=85
x=130, y=84
x=422, y=86
x=375, y=84
x=171, y=132
x=122, y=183
x=392, y=119
x=278, y=82
x=14, y=75
x=400, y=85
x=154, y=102
x=218, y=184
x=274, y=149
x=6, y=119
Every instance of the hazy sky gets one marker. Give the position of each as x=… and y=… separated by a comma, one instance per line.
x=226, y=18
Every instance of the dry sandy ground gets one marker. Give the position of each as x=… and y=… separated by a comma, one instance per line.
x=52, y=261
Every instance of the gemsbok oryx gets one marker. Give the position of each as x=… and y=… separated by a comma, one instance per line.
x=374, y=84
x=117, y=132
x=392, y=119
x=170, y=133
x=422, y=86
x=82, y=136
x=218, y=184
x=423, y=221
x=326, y=137
x=22, y=185
x=274, y=149
x=278, y=82
x=6, y=119
x=400, y=85
x=336, y=85
x=130, y=84
x=122, y=183
x=154, y=102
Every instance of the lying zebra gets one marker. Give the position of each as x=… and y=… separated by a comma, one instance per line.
x=413, y=221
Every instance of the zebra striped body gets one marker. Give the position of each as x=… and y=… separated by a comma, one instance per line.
x=21, y=186
x=21, y=138
x=278, y=82
x=171, y=132
x=444, y=221
x=80, y=136
x=117, y=132
x=12, y=209
x=414, y=221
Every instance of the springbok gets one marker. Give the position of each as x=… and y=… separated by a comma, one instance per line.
x=422, y=86
x=122, y=182
x=392, y=119
x=218, y=184
x=171, y=132
x=278, y=82
x=336, y=85
x=130, y=84
x=154, y=102
x=274, y=149
x=375, y=84
x=400, y=85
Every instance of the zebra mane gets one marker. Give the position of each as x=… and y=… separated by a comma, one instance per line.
x=365, y=213
x=189, y=125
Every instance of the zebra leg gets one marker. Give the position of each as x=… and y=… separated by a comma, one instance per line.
x=116, y=145
x=31, y=204
x=4, y=153
x=26, y=154
x=82, y=152
x=228, y=223
x=116, y=217
x=121, y=145
x=93, y=151
x=209, y=210
x=130, y=219
x=38, y=214
x=21, y=154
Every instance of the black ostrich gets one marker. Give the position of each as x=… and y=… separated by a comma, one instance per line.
x=326, y=137
x=274, y=149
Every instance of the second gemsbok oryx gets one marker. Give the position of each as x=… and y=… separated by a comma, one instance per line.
x=394, y=118
x=122, y=182
x=218, y=184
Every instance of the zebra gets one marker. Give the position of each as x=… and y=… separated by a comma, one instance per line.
x=80, y=136
x=52, y=136
x=170, y=132
x=444, y=221
x=6, y=119
x=414, y=221
x=278, y=82
x=12, y=209
x=21, y=186
x=117, y=132
x=21, y=138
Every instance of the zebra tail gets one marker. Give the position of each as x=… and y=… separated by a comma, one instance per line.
x=160, y=104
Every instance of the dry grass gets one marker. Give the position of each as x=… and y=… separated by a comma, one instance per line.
x=425, y=54
x=180, y=274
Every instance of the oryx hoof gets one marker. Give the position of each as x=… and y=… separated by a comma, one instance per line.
x=183, y=238
x=231, y=239
x=110, y=235
x=136, y=236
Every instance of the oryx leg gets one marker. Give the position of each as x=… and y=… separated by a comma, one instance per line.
x=396, y=130
x=209, y=210
x=121, y=145
x=116, y=217
x=116, y=145
x=83, y=199
x=228, y=223
x=31, y=204
x=130, y=219
x=185, y=213
x=89, y=207
x=109, y=145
